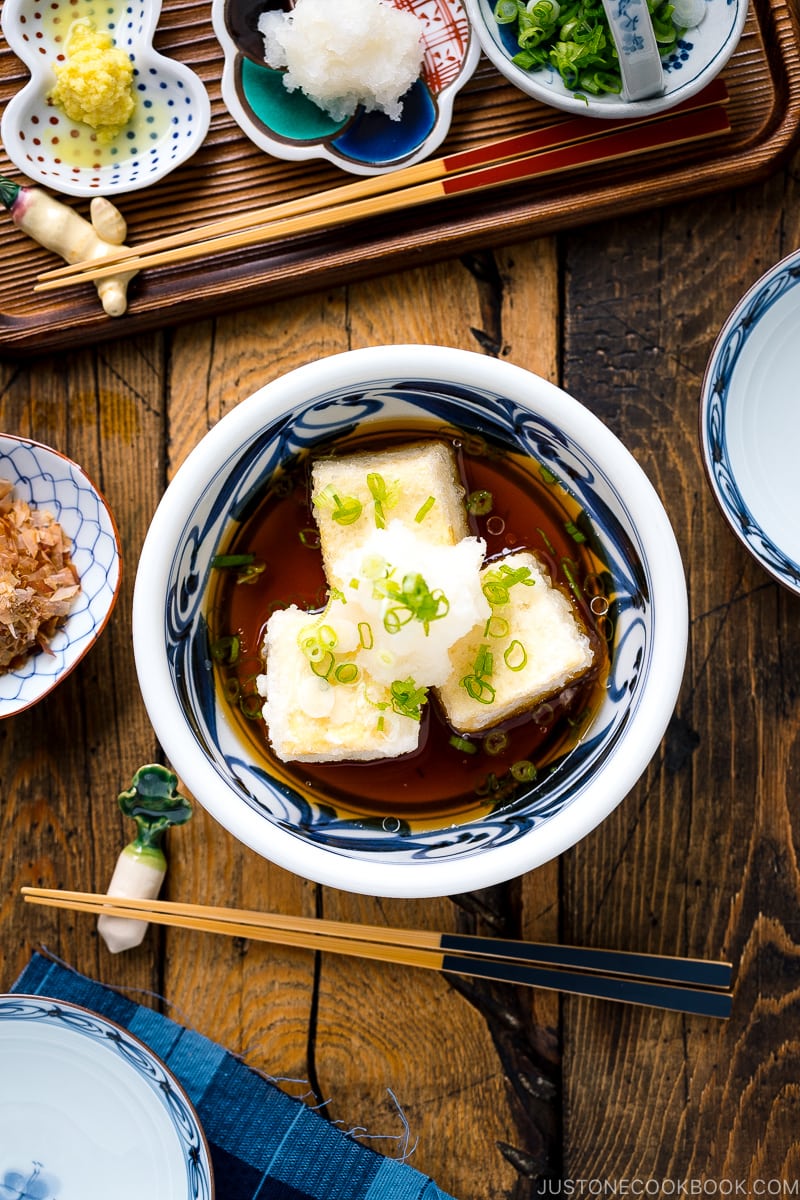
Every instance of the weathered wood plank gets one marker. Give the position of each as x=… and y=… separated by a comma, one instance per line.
x=701, y=857
x=64, y=761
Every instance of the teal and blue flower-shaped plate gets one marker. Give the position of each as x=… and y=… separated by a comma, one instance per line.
x=290, y=126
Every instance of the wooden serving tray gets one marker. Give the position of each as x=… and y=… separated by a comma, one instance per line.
x=228, y=173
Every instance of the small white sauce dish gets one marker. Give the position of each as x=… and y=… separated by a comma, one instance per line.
x=750, y=421
x=87, y=1109
x=169, y=123
x=700, y=54
x=46, y=479
x=292, y=820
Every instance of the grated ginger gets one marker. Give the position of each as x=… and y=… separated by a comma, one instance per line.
x=38, y=581
x=94, y=84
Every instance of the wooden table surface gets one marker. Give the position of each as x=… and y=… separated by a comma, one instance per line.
x=506, y=1092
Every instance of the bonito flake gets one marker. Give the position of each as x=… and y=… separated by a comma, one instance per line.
x=38, y=581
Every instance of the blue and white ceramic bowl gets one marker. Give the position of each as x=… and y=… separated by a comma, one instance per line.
x=643, y=596
x=700, y=55
x=170, y=120
x=44, y=478
x=750, y=421
x=87, y=1109
x=290, y=126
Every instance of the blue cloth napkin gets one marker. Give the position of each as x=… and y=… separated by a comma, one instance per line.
x=265, y=1145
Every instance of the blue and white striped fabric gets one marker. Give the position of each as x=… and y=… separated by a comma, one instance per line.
x=265, y=1145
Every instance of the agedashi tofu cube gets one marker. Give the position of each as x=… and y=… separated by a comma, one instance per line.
x=313, y=719
x=530, y=648
x=417, y=484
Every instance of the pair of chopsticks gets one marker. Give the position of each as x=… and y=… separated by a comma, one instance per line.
x=684, y=985
x=566, y=145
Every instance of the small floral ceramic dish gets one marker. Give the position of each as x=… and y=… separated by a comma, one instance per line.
x=47, y=480
x=698, y=56
x=171, y=110
x=290, y=126
x=443, y=819
x=750, y=421
x=88, y=1110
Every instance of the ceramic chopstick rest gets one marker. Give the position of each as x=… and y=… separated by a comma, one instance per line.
x=154, y=805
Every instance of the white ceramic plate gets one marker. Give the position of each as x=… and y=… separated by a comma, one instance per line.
x=750, y=420
x=87, y=1112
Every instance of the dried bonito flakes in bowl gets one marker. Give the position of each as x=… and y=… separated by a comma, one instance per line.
x=59, y=569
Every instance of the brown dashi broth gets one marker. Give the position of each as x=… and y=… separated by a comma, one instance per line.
x=448, y=777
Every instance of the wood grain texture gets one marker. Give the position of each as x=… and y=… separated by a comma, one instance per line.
x=701, y=858
x=503, y=1089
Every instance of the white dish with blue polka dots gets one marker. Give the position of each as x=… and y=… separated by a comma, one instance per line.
x=172, y=109
x=46, y=479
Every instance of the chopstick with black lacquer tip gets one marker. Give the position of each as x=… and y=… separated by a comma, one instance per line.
x=687, y=985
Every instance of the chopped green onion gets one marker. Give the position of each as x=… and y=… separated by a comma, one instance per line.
x=495, y=742
x=424, y=509
x=463, y=744
x=323, y=666
x=309, y=538
x=407, y=698
x=345, y=509
x=231, y=689
x=251, y=572
x=574, y=532
x=497, y=584
x=365, y=635
x=250, y=706
x=226, y=650
x=384, y=496
x=232, y=560
x=523, y=771
x=484, y=662
x=515, y=655
x=496, y=627
x=480, y=503
x=346, y=672
x=478, y=689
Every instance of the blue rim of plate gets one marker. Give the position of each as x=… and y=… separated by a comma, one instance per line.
x=725, y=357
x=133, y=1053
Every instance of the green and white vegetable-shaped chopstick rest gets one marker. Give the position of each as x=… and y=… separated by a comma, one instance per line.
x=154, y=805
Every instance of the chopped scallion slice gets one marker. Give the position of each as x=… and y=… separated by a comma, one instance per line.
x=463, y=744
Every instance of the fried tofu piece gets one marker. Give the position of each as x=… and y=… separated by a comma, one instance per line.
x=418, y=484
x=310, y=719
x=531, y=647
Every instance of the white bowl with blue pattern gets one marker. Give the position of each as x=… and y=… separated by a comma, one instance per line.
x=750, y=421
x=699, y=56
x=170, y=120
x=221, y=481
x=46, y=479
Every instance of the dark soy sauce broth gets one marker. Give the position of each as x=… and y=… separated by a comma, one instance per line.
x=438, y=782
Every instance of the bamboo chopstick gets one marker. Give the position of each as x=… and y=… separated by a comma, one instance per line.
x=680, y=984
x=568, y=145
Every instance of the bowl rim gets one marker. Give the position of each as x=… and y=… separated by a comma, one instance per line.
x=329, y=866
x=7, y=709
x=611, y=109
